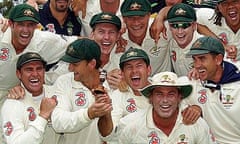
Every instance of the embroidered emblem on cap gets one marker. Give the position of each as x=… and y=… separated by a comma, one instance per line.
x=28, y=12
x=135, y=6
x=132, y=53
x=167, y=79
x=70, y=50
x=106, y=16
x=180, y=11
x=197, y=44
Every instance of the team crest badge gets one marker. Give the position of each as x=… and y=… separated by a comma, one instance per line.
x=155, y=50
x=131, y=107
x=32, y=115
x=180, y=11
x=28, y=12
x=202, y=99
x=4, y=54
x=81, y=99
x=135, y=6
x=154, y=139
x=8, y=128
x=182, y=139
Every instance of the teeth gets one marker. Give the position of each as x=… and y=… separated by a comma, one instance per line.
x=34, y=80
x=201, y=70
x=107, y=43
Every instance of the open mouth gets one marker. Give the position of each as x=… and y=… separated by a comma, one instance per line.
x=35, y=82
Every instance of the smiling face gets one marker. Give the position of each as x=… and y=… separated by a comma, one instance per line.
x=32, y=76
x=106, y=35
x=183, y=33
x=22, y=33
x=165, y=101
x=136, y=73
x=137, y=26
x=230, y=9
x=208, y=66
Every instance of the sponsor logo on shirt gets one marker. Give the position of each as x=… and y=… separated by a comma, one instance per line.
x=131, y=107
x=154, y=139
x=8, y=128
x=81, y=99
x=32, y=115
x=223, y=37
x=4, y=54
x=202, y=96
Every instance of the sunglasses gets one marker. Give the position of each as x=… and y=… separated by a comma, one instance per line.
x=180, y=25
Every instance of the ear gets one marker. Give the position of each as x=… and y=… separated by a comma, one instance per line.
x=92, y=63
x=91, y=36
x=219, y=59
x=18, y=74
x=194, y=25
x=149, y=70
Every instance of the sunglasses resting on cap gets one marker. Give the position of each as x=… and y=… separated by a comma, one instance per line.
x=180, y=25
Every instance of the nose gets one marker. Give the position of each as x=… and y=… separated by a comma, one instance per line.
x=197, y=63
x=106, y=36
x=180, y=30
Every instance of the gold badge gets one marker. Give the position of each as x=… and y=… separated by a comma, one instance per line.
x=106, y=16
x=135, y=6
x=28, y=12
x=132, y=53
x=167, y=78
x=180, y=11
x=197, y=44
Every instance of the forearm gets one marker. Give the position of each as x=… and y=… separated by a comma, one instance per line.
x=204, y=30
x=105, y=125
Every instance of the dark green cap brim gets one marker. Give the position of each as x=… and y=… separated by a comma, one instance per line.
x=185, y=90
x=135, y=13
x=107, y=21
x=26, y=19
x=219, y=1
x=197, y=52
x=70, y=59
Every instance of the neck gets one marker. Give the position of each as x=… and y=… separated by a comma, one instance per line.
x=104, y=59
x=18, y=47
x=218, y=74
x=234, y=28
x=93, y=80
x=165, y=124
x=137, y=40
x=59, y=16
x=109, y=7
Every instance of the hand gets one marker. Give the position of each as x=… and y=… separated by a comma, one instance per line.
x=4, y=24
x=79, y=5
x=32, y=3
x=47, y=106
x=114, y=77
x=121, y=45
x=156, y=28
x=231, y=51
x=193, y=74
x=191, y=114
x=123, y=86
x=102, y=106
x=16, y=92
